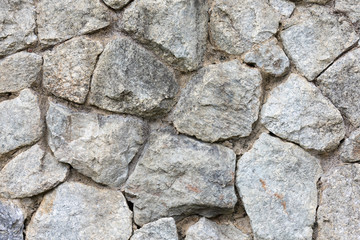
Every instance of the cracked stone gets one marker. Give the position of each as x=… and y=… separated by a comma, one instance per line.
x=162, y=229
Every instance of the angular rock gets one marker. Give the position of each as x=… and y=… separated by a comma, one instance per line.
x=68, y=68
x=235, y=28
x=314, y=36
x=116, y=4
x=129, y=79
x=277, y=184
x=164, y=228
x=60, y=20
x=77, y=211
x=350, y=150
x=219, y=102
x=11, y=221
x=178, y=176
x=350, y=7
x=297, y=111
x=98, y=146
x=175, y=30
x=20, y=121
x=284, y=7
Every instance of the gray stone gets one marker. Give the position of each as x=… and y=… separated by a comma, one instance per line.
x=277, y=184
x=116, y=4
x=20, y=121
x=350, y=7
x=128, y=79
x=219, y=102
x=78, y=211
x=11, y=221
x=350, y=149
x=98, y=146
x=162, y=229
x=60, y=20
x=69, y=67
x=175, y=30
x=284, y=7
x=314, y=36
x=297, y=111
x=178, y=176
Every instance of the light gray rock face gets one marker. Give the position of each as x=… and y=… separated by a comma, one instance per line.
x=77, y=211
x=162, y=229
x=17, y=25
x=175, y=29
x=20, y=121
x=68, y=68
x=297, y=111
x=98, y=146
x=178, y=176
x=277, y=184
x=235, y=28
x=350, y=7
x=338, y=213
x=128, y=79
x=116, y=4
x=284, y=7
x=60, y=20
x=219, y=102
x=350, y=150
x=314, y=36
x=11, y=221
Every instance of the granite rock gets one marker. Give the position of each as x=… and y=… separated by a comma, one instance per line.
x=11, y=221
x=350, y=149
x=350, y=7
x=162, y=229
x=284, y=7
x=116, y=4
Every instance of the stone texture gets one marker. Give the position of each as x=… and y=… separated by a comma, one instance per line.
x=314, y=36
x=235, y=28
x=128, y=79
x=60, y=20
x=68, y=68
x=338, y=213
x=284, y=7
x=219, y=102
x=20, y=121
x=17, y=25
x=350, y=149
x=297, y=111
x=11, y=221
x=178, y=176
x=77, y=211
x=98, y=146
x=162, y=229
x=277, y=181
x=350, y=7
x=116, y=4
x=176, y=30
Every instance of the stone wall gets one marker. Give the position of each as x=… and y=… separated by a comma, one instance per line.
x=179, y=119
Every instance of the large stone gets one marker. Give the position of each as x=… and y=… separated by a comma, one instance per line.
x=17, y=25
x=178, y=176
x=338, y=213
x=162, y=229
x=116, y=4
x=350, y=7
x=350, y=149
x=284, y=7
x=20, y=121
x=77, y=211
x=60, y=20
x=69, y=67
x=314, y=36
x=98, y=146
x=129, y=79
x=219, y=102
x=297, y=111
x=11, y=221
x=277, y=184
x=176, y=30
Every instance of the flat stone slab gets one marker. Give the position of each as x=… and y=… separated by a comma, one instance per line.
x=164, y=228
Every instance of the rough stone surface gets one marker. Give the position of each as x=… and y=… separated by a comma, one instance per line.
x=350, y=150
x=128, y=79
x=219, y=102
x=338, y=213
x=116, y=4
x=297, y=111
x=98, y=146
x=175, y=29
x=11, y=221
x=60, y=20
x=164, y=228
x=68, y=68
x=77, y=211
x=277, y=184
x=350, y=7
x=20, y=121
x=314, y=36
x=178, y=176
x=284, y=7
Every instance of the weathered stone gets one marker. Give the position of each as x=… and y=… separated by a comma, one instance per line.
x=98, y=146
x=20, y=121
x=284, y=7
x=116, y=4
x=176, y=30
x=277, y=184
x=128, y=79
x=69, y=66
x=350, y=149
x=269, y=57
x=164, y=228
x=315, y=1
x=17, y=25
x=314, y=36
x=235, y=28
x=77, y=211
x=11, y=221
x=178, y=176
x=350, y=7
x=338, y=213
x=219, y=102
x=297, y=111
x=60, y=20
